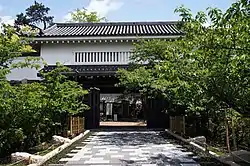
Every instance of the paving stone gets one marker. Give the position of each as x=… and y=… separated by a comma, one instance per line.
x=85, y=156
x=114, y=148
x=138, y=159
x=96, y=159
x=71, y=154
x=86, y=153
x=92, y=143
x=135, y=148
x=128, y=150
x=97, y=162
x=100, y=154
x=99, y=147
x=146, y=152
x=146, y=148
x=68, y=159
x=101, y=165
x=112, y=152
x=117, y=156
x=80, y=147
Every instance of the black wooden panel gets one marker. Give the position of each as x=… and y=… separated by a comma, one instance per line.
x=156, y=113
x=92, y=116
x=125, y=108
x=96, y=106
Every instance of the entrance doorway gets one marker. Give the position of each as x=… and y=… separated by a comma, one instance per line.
x=121, y=110
x=113, y=110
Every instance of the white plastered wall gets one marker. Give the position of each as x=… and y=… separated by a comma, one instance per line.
x=64, y=53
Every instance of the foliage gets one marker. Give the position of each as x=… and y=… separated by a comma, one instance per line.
x=83, y=15
x=11, y=46
x=32, y=113
x=34, y=16
x=63, y=94
x=205, y=70
x=132, y=80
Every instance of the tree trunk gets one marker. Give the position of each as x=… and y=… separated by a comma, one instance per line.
x=44, y=25
x=144, y=107
x=227, y=135
x=234, y=136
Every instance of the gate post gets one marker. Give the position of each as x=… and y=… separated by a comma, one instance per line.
x=156, y=115
x=125, y=108
x=92, y=116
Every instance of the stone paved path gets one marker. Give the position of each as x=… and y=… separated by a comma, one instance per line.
x=140, y=148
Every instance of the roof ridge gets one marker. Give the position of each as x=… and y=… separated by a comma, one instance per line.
x=117, y=23
x=54, y=25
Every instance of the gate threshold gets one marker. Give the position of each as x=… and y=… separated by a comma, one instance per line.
x=123, y=124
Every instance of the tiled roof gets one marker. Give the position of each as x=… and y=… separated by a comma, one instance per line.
x=91, y=70
x=113, y=29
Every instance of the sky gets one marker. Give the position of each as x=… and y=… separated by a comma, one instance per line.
x=113, y=10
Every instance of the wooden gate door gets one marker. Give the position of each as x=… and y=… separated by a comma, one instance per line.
x=156, y=114
x=92, y=116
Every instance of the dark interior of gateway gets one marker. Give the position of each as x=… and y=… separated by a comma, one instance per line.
x=119, y=108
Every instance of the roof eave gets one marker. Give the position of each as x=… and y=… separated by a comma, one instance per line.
x=76, y=38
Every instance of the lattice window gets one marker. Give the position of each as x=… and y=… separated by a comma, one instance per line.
x=101, y=57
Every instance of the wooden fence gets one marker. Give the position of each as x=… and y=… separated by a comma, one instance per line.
x=76, y=125
x=177, y=124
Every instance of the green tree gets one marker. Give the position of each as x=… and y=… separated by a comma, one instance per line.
x=32, y=113
x=83, y=15
x=11, y=47
x=205, y=70
x=34, y=16
x=63, y=94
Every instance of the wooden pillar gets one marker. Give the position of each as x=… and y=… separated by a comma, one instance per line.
x=71, y=125
x=125, y=108
x=156, y=115
x=92, y=116
x=97, y=107
x=78, y=125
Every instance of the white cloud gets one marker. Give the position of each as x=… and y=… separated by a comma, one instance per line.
x=102, y=7
x=67, y=17
x=4, y=19
x=7, y=20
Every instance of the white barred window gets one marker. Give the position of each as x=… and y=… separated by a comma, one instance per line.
x=102, y=57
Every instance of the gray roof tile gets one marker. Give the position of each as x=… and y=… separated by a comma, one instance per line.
x=91, y=69
x=112, y=29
